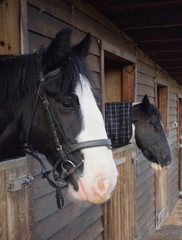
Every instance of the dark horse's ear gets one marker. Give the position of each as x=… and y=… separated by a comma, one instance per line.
x=145, y=103
x=82, y=49
x=58, y=49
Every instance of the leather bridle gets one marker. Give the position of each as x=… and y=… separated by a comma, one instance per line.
x=62, y=160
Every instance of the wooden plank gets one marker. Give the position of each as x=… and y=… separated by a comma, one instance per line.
x=76, y=227
x=142, y=90
x=55, y=222
x=17, y=221
x=137, y=22
x=93, y=232
x=143, y=223
x=80, y=19
x=132, y=6
x=3, y=205
x=113, y=82
x=143, y=177
x=44, y=24
x=119, y=211
x=10, y=27
x=40, y=187
x=93, y=63
x=152, y=47
x=119, y=53
x=47, y=26
x=142, y=167
x=162, y=95
x=150, y=202
x=128, y=83
x=159, y=34
x=143, y=67
x=144, y=79
x=23, y=26
x=45, y=205
x=147, y=186
x=36, y=40
x=144, y=197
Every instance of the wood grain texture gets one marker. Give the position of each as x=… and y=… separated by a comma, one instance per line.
x=10, y=27
x=120, y=210
x=16, y=220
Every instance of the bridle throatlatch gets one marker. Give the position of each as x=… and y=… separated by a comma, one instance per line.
x=59, y=179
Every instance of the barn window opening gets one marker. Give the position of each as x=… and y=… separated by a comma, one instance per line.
x=119, y=93
x=162, y=103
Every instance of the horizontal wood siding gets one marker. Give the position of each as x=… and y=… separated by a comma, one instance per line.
x=145, y=180
x=173, y=171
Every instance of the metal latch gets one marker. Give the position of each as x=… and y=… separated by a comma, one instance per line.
x=14, y=185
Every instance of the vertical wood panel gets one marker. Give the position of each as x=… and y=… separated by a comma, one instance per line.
x=15, y=221
x=128, y=89
x=9, y=27
x=119, y=212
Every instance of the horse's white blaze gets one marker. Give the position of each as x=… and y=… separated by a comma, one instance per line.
x=100, y=173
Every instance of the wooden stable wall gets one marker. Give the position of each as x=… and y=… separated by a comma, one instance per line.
x=45, y=19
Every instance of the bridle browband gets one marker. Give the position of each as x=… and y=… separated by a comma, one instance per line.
x=63, y=161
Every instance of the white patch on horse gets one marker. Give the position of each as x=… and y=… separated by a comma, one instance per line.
x=100, y=174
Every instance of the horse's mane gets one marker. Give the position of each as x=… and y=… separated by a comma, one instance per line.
x=17, y=76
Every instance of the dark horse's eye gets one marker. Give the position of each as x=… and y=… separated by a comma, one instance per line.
x=67, y=103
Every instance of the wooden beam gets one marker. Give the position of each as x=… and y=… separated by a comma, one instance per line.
x=168, y=46
x=157, y=34
x=147, y=19
x=166, y=56
x=175, y=70
x=128, y=6
x=171, y=64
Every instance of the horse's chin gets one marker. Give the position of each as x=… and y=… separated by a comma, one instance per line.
x=90, y=194
x=158, y=167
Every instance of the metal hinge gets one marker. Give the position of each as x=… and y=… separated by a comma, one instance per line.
x=135, y=160
x=16, y=184
x=161, y=217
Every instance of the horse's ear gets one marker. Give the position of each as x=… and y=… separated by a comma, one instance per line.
x=82, y=49
x=58, y=49
x=145, y=103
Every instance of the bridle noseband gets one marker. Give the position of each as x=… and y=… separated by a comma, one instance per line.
x=62, y=160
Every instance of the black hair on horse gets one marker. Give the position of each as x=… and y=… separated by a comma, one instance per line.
x=18, y=76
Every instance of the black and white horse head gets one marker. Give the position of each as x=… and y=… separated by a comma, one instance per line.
x=47, y=101
x=150, y=135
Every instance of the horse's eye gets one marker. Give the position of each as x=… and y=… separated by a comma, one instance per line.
x=67, y=103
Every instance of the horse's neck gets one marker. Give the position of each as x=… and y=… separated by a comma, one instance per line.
x=133, y=141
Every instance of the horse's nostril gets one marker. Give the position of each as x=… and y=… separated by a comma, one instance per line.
x=101, y=186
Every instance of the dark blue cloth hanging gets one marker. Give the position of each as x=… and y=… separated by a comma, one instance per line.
x=118, y=122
